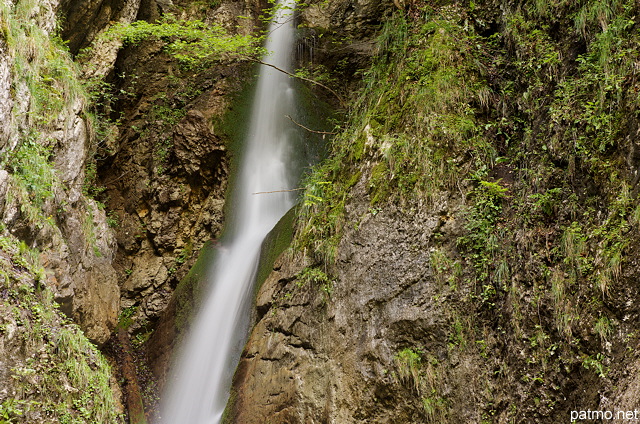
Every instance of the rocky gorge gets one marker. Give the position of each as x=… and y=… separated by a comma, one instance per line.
x=465, y=252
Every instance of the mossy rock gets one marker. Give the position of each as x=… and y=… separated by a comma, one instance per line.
x=278, y=239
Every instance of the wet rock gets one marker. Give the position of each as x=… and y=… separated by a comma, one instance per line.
x=196, y=147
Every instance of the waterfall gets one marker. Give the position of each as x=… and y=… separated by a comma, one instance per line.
x=199, y=387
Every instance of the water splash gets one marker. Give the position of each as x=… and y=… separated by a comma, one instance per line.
x=199, y=389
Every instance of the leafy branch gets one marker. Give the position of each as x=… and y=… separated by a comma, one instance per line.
x=196, y=44
x=193, y=43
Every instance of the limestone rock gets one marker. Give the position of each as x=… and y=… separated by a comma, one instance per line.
x=97, y=302
x=328, y=356
x=148, y=271
x=196, y=147
x=6, y=101
x=357, y=17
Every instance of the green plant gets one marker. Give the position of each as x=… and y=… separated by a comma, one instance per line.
x=192, y=42
x=316, y=276
x=112, y=219
x=417, y=371
x=10, y=410
x=481, y=239
x=125, y=320
x=58, y=372
x=411, y=120
x=42, y=62
x=457, y=337
x=547, y=202
x=409, y=363
x=34, y=176
x=434, y=407
x=573, y=248
x=604, y=328
x=596, y=364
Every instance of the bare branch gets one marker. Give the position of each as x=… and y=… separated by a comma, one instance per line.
x=278, y=191
x=308, y=129
x=342, y=103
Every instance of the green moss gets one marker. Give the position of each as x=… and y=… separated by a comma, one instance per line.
x=226, y=415
x=379, y=189
x=189, y=290
x=278, y=239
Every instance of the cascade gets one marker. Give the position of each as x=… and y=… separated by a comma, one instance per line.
x=199, y=387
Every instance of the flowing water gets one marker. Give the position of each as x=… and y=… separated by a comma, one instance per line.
x=199, y=388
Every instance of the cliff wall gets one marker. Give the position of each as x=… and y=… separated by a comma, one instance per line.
x=468, y=251
x=59, y=290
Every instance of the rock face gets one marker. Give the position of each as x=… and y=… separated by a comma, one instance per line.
x=56, y=249
x=47, y=364
x=357, y=18
x=83, y=21
x=6, y=101
x=498, y=288
x=166, y=174
x=163, y=169
x=326, y=354
x=44, y=204
x=339, y=36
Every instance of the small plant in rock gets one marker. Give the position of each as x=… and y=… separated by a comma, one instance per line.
x=603, y=328
x=317, y=277
x=125, y=320
x=409, y=362
x=596, y=364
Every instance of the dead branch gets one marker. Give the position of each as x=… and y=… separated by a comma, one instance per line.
x=310, y=130
x=342, y=103
x=278, y=191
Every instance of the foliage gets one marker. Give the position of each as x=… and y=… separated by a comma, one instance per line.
x=445, y=269
x=422, y=378
x=596, y=365
x=416, y=110
x=321, y=213
x=192, y=42
x=408, y=362
x=481, y=239
x=316, y=276
x=33, y=172
x=412, y=119
x=46, y=86
x=125, y=319
x=42, y=61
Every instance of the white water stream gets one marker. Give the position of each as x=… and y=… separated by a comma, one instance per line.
x=199, y=388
